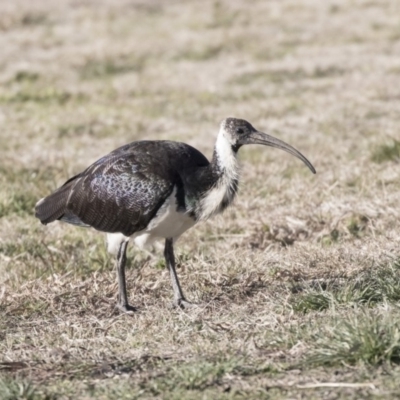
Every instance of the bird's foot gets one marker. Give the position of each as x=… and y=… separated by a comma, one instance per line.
x=126, y=308
x=183, y=304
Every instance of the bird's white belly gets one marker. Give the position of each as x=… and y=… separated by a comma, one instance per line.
x=167, y=223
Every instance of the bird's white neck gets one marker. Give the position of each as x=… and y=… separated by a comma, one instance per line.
x=226, y=169
x=225, y=156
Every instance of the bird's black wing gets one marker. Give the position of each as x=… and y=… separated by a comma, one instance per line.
x=120, y=192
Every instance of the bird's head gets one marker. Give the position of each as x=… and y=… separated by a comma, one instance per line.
x=239, y=132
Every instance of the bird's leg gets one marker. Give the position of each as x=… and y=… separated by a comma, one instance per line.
x=123, y=304
x=179, y=298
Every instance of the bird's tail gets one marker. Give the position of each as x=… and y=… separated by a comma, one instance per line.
x=53, y=206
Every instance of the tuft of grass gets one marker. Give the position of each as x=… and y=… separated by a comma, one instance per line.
x=45, y=96
x=327, y=72
x=313, y=301
x=34, y=18
x=283, y=75
x=363, y=339
x=108, y=67
x=386, y=152
x=371, y=287
x=357, y=224
x=275, y=76
x=331, y=238
x=26, y=76
x=160, y=264
x=12, y=389
x=201, y=54
x=193, y=376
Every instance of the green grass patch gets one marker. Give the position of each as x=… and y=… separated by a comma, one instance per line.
x=373, y=286
x=365, y=338
x=49, y=95
x=108, y=67
x=386, y=152
x=282, y=75
x=357, y=225
x=331, y=238
x=74, y=253
x=23, y=187
x=200, y=54
x=21, y=203
x=26, y=76
x=12, y=389
x=149, y=376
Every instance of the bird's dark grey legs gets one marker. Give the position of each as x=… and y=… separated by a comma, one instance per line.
x=179, y=298
x=123, y=304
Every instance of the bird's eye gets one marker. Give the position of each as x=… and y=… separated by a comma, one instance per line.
x=239, y=130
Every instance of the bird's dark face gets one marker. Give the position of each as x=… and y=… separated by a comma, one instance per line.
x=239, y=132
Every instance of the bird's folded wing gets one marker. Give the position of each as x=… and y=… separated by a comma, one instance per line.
x=118, y=195
x=120, y=192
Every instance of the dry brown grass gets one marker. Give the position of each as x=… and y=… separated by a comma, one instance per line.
x=299, y=281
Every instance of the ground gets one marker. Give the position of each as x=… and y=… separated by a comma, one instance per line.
x=298, y=283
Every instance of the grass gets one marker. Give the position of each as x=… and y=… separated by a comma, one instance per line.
x=366, y=339
x=283, y=75
x=298, y=282
x=17, y=389
x=101, y=69
x=371, y=287
x=387, y=152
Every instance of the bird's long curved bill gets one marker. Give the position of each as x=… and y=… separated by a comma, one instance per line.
x=268, y=140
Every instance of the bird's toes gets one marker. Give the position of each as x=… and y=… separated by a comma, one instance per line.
x=183, y=304
x=126, y=308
